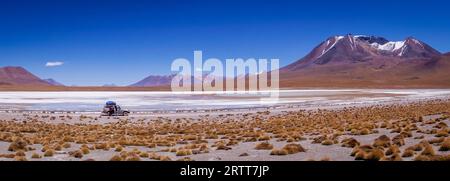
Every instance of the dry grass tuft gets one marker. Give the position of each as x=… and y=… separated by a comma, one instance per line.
x=416, y=147
x=7, y=155
x=76, y=154
x=398, y=140
x=368, y=152
x=365, y=131
x=375, y=155
x=133, y=157
x=279, y=152
x=264, y=138
x=436, y=140
x=20, y=158
x=66, y=145
x=45, y=148
x=393, y=149
x=319, y=139
x=164, y=158
x=360, y=155
x=293, y=148
x=20, y=153
x=350, y=143
x=408, y=153
x=49, y=153
x=442, y=133
x=85, y=150
x=382, y=141
x=185, y=159
x=422, y=158
x=222, y=147
x=17, y=145
x=327, y=142
x=36, y=156
x=264, y=146
x=116, y=158
x=394, y=157
x=144, y=154
x=102, y=146
x=183, y=152
x=119, y=148
x=428, y=151
x=432, y=158
x=445, y=145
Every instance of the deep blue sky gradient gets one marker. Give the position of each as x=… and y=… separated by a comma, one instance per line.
x=121, y=42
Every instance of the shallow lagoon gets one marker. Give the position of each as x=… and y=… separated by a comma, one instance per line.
x=157, y=101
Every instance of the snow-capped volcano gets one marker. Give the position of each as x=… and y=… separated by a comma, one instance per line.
x=360, y=60
x=361, y=48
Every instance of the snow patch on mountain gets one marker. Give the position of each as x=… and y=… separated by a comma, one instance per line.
x=389, y=46
x=335, y=40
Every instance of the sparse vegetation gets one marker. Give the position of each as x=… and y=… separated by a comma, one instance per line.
x=49, y=153
x=184, y=152
x=428, y=151
x=350, y=142
x=17, y=145
x=85, y=150
x=408, y=153
x=36, y=156
x=393, y=149
x=116, y=158
x=445, y=145
x=76, y=154
x=293, y=148
x=279, y=152
x=327, y=142
x=264, y=146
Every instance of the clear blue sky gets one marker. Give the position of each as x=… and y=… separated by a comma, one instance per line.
x=139, y=38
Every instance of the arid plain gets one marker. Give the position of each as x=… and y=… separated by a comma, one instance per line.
x=401, y=128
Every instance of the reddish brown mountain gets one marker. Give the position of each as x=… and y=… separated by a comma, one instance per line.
x=19, y=76
x=368, y=61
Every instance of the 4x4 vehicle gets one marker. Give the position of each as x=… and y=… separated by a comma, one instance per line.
x=112, y=109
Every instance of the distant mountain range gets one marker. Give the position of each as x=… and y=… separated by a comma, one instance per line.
x=339, y=61
x=53, y=82
x=360, y=61
x=162, y=80
x=154, y=80
x=109, y=85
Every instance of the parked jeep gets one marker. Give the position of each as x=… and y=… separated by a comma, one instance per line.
x=112, y=109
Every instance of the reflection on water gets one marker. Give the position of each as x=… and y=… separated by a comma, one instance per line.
x=150, y=101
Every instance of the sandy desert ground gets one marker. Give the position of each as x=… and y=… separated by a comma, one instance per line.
x=414, y=130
